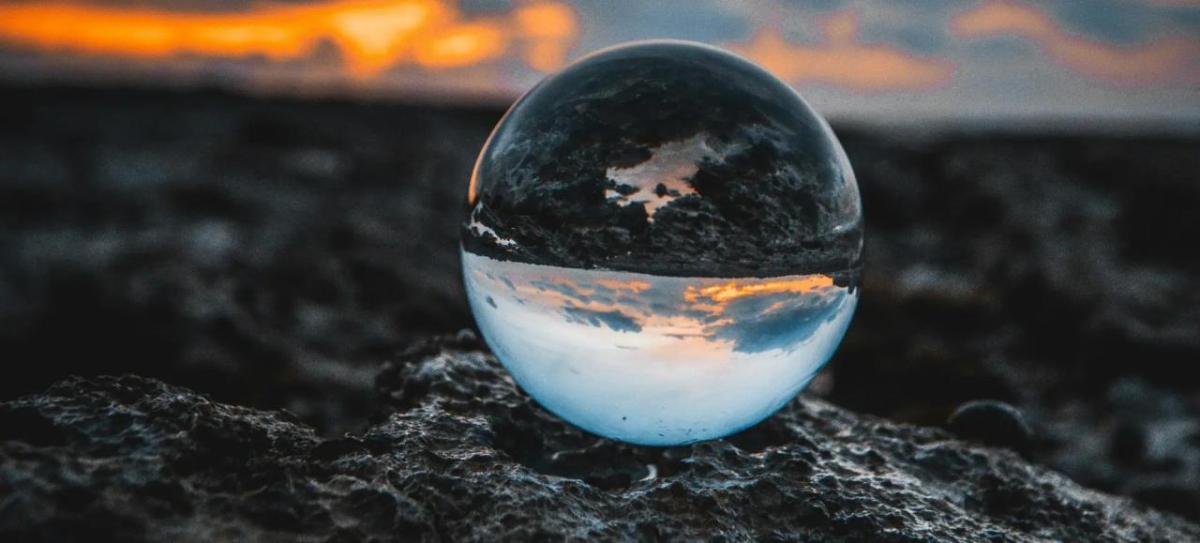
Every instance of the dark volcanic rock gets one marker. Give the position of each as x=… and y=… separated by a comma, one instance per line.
x=1046, y=272
x=184, y=235
x=270, y=252
x=457, y=453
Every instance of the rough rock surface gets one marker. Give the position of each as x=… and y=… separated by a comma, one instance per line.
x=271, y=252
x=1047, y=272
x=266, y=252
x=458, y=453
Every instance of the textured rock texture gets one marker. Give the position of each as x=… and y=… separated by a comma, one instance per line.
x=267, y=252
x=270, y=253
x=1047, y=272
x=458, y=453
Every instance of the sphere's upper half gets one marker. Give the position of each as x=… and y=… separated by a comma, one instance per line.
x=667, y=158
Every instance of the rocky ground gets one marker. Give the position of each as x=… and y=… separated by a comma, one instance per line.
x=273, y=254
x=458, y=453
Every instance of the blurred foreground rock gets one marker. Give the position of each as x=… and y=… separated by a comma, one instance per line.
x=458, y=453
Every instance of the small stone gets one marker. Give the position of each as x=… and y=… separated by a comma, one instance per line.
x=993, y=423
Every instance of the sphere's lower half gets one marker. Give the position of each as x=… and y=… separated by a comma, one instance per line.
x=656, y=360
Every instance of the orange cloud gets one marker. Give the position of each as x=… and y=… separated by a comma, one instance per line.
x=372, y=35
x=1166, y=60
x=844, y=61
x=554, y=28
x=733, y=290
x=633, y=285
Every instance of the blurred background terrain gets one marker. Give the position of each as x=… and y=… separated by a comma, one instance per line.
x=260, y=201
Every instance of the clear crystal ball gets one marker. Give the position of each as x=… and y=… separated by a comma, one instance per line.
x=662, y=243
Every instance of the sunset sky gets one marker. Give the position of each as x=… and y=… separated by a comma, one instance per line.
x=880, y=61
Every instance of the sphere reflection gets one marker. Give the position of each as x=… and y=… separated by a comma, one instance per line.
x=662, y=243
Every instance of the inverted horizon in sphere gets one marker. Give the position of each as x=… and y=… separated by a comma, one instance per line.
x=656, y=360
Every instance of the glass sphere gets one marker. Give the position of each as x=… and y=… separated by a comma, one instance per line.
x=662, y=243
